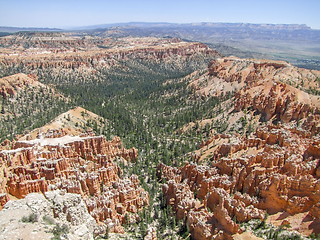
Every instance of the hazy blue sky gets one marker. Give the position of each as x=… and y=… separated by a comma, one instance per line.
x=67, y=13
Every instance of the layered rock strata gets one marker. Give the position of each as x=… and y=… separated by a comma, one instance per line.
x=103, y=53
x=77, y=164
x=272, y=88
x=252, y=71
x=277, y=99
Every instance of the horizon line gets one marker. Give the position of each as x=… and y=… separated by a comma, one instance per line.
x=83, y=27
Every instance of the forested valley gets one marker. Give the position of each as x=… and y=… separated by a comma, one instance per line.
x=144, y=102
x=196, y=118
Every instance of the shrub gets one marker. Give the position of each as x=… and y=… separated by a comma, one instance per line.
x=48, y=220
x=60, y=230
x=32, y=218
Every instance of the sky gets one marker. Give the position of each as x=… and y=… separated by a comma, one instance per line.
x=75, y=13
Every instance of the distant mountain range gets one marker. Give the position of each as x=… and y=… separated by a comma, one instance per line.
x=19, y=29
x=165, y=24
x=296, y=43
x=201, y=24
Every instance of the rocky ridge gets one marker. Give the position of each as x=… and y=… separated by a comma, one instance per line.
x=10, y=86
x=107, y=54
x=231, y=74
x=72, y=122
x=31, y=41
x=23, y=95
x=258, y=91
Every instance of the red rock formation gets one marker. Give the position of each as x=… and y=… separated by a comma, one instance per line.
x=204, y=181
x=222, y=216
x=242, y=70
x=94, y=56
x=11, y=84
x=81, y=165
x=4, y=198
x=200, y=224
x=272, y=88
x=281, y=174
x=281, y=100
x=312, y=124
x=315, y=211
x=265, y=87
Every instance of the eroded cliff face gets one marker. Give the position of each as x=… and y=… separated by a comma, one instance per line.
x=55, y=42
x=82, y=164
x=265, y=85
x=198, y=194
x=272, y=88
x=277, y=170
x=11, y=86
x=277, y=99
x=251, y=71
x=93, y=53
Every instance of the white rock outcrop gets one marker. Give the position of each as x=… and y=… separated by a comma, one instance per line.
x=53, y=209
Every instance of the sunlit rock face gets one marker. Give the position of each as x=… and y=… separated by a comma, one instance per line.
x=275, y=170
x=80, y=164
